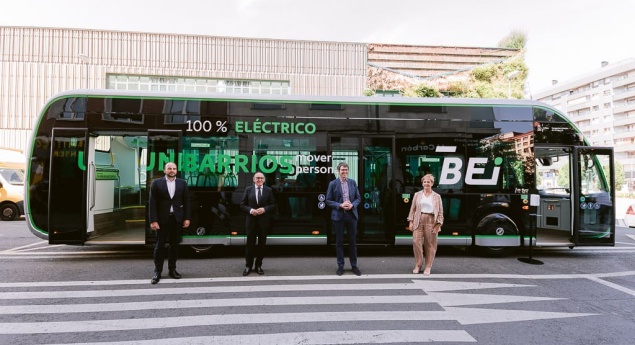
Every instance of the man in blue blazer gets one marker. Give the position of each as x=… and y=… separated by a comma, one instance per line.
x=169, y=213
x=258, y=203
x=343, y=198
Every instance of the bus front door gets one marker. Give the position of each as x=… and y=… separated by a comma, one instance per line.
x=68, y=200
x=594, y=195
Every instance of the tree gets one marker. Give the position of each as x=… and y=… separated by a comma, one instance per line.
x=479, y=81
x=516, y=39
x=563, y=176
x=620, y=177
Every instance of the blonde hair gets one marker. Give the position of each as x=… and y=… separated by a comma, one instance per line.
x=429, y=176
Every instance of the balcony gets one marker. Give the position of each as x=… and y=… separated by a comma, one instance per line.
x=623, y=82
x=624, y=95
x=619, y=121
x=623, y=108
x=624, y=148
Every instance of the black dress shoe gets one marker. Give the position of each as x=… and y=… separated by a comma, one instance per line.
x=357, y=271
x=155, y=278
x=174, y=274
x=260, y=271
x=247, y=271
x=340, y=271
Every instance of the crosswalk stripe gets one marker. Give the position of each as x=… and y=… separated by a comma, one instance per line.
x=215, y=320
x=428, y=285
x=212, y=303
x=444, y=299
x=380, y=277
x=396, y=303
x=313, y=338
x=466, y=316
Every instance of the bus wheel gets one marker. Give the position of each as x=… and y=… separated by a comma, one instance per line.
x=202, y=249
x=496, y=228
x=498, y=252
x=9, y=212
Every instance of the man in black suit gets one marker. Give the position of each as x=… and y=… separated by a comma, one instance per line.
x=169, y=212
x=343, y=198
x=258, y=203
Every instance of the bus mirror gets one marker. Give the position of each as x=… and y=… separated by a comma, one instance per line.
x=546, y=161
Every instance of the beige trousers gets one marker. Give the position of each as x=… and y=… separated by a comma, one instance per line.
x=424, y=241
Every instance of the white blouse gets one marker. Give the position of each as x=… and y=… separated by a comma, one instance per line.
x=426, y=203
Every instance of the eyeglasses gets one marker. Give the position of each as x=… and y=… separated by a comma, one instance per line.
x=260, y=178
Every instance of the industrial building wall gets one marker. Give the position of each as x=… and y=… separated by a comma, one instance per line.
x=37, y=63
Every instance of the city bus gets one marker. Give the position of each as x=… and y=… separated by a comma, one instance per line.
x=511, y=173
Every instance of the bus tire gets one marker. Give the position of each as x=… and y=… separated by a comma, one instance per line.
x=497, y=224
x=202, y=249
x=9, y=212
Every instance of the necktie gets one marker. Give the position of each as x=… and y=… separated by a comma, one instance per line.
x=259, y=195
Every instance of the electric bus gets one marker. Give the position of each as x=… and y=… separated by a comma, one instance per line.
x=511, y=173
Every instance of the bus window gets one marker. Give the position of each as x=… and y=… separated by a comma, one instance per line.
x=211, y=162
x=552, y=174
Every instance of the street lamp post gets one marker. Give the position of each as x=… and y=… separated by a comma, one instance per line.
x=85, y=60
x=510, y=76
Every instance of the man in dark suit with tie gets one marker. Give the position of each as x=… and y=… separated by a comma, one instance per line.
x=258, y=203
x=343, y=198
x=169, y=213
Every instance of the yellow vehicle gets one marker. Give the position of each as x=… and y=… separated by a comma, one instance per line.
x=11, y=184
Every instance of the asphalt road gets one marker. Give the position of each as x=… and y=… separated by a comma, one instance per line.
x=72, y=294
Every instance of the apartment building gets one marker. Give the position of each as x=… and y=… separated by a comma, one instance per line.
x=602, y=104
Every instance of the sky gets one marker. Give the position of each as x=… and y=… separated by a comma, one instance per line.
x=566, y=38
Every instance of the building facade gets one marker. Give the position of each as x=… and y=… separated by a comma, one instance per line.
x=37, y=63
x=602, y=104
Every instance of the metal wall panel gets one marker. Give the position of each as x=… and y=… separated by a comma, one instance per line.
x=37, y=63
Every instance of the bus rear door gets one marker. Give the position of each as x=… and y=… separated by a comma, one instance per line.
x=372, y=170
x=594, y=197
x=68, y=200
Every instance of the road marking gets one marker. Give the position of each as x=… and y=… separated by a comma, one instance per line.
x=213, y=303
x=443, y=299
x=632, y=237
x=86, y=318
x=465, y=316
x=313, y=338
x=447, y=299
x=613, y=285
x=41, y=243
x=625, y=243
x=428, y=286
x=330, y=277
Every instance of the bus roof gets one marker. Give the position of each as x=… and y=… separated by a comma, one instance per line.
x=99, y=93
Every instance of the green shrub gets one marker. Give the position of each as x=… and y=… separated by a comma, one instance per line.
x=485, y=73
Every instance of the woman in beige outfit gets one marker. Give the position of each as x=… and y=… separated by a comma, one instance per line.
x=425, y=220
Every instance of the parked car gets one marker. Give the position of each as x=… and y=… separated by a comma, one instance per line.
x=11, y=192
x=12, y=167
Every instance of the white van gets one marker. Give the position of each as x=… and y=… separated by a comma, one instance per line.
x=11, y=187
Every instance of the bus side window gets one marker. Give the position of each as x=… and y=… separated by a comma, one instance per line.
x=451, y=207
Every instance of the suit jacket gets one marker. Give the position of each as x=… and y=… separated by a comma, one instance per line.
x=160, y=201
x=415, y=209
x=267, y=202
x=334, y=198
